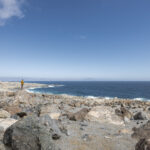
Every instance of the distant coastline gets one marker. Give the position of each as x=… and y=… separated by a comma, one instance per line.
x=103, y=90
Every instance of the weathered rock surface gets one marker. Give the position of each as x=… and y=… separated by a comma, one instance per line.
x=143, y=144
x=12, y=109
x=142, y=132
x=32, y=133
x=50, y=109
x=124, y=113
x=78, y=116
x=4, y=114
x=5, y=123
x=103, y=114
x=139, y=116
x=3, y=147
x=143, y=135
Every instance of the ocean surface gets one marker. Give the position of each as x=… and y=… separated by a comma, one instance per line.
x=110, y=89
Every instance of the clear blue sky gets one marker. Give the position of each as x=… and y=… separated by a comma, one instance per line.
x=75, y=39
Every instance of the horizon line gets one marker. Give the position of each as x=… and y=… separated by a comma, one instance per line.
x=44, y=79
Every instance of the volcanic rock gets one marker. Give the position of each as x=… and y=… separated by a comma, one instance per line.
x=31, y=133
x=139, y=116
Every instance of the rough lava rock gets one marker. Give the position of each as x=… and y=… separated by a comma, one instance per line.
x=143, y=144
x=32, y=133
x=143, y=134
x=139, y=116
x=124, y=113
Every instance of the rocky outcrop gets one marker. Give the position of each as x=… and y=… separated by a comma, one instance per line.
x=12, y=109
x=32, y=133
x=78, y=116
x=3, y=147
x=142, y=132
x=143, y=144
x=124, y=113
x=139, y=116
x=48, y=108
x=4, y=114
x=5, y=123
x=143, y=135
x=104, y=114
x=75, y=103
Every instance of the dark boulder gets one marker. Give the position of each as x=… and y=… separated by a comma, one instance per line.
x=139, y=116
x=142, y=132
x=143, y=144
x=143, y=135
x=32, y=133
x=21, y=114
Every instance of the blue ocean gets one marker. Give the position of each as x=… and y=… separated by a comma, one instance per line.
x=107, y=89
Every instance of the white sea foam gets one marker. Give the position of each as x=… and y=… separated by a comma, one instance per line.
x=94, y=97
x=107, y=98
x=55, y=85
x=140, y=99
x=51, y=86
x=91, y=97
x=32, y=88
x=29, y=91
x=66, y=95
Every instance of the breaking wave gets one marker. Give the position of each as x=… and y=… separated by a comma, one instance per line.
x=55, y=85
x=140, y=99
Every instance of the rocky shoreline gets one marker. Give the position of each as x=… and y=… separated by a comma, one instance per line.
x=30, y=121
